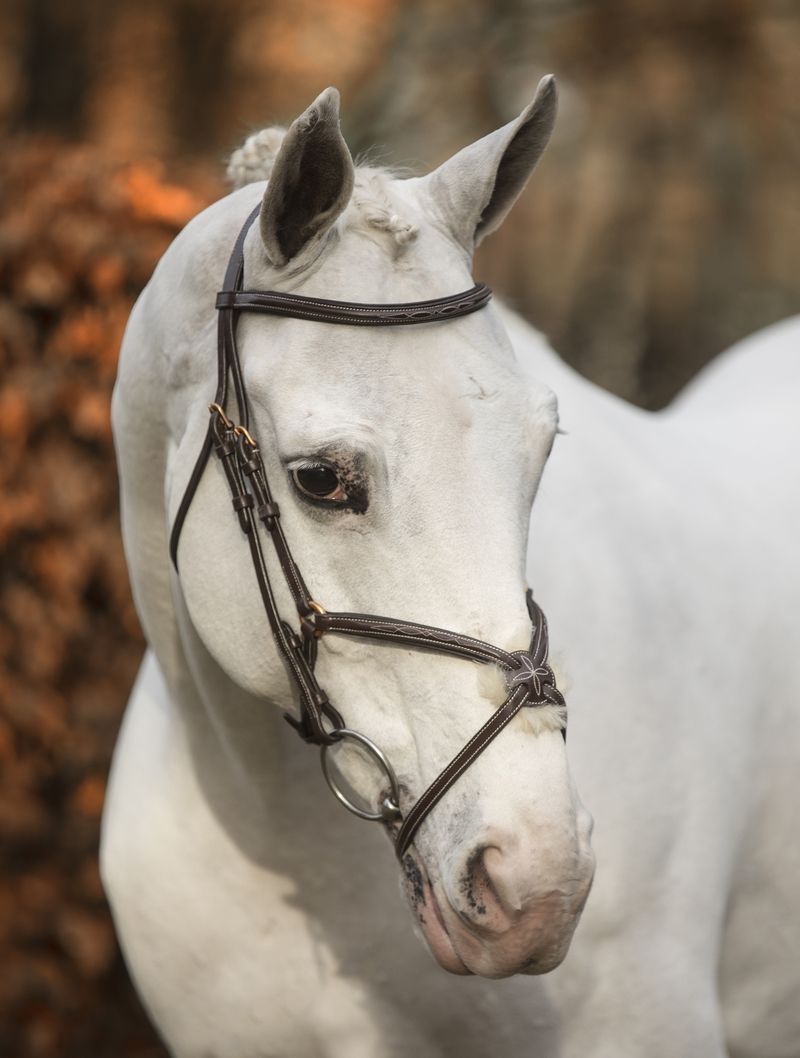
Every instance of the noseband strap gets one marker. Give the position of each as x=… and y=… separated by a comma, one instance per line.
x=529, y=678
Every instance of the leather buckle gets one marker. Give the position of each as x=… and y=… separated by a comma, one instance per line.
x=308, y=624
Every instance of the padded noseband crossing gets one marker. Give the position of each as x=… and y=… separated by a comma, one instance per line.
x=529, y=679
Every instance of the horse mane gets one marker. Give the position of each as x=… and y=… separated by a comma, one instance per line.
x=371, y=205
x=255, y=158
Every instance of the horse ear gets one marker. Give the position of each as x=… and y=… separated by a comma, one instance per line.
x=311, y=181
x=476, y=188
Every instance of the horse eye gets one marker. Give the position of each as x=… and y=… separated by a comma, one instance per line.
x=318, y=481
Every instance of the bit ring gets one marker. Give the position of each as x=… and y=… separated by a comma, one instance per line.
x=390, y=807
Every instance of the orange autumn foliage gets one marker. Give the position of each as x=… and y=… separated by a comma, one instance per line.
x=79, y=237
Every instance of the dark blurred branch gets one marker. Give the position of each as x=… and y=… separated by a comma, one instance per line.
x=56, y=42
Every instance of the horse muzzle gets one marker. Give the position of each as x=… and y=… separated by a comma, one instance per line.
x=501, y=913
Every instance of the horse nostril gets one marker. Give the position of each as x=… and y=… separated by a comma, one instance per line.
x=504, y=882
x=481, y=904
x=492, y=892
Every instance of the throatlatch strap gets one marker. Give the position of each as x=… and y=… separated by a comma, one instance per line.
x=226, y=345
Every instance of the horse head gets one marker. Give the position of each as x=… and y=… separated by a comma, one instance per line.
x=404, y=462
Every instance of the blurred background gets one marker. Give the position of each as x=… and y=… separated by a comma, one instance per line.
x=661, y=226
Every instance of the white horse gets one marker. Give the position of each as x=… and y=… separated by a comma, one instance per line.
x=260, y=919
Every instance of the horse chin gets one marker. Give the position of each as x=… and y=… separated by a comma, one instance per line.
x=424, y=904
x=461, y=950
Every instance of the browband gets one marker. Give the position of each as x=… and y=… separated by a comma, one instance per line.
x=356, y=313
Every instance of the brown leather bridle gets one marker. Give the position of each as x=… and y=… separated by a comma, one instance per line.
x=529, y=678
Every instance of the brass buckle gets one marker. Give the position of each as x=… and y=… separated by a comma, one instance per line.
x=308, y=625
x=241, y=431
x=218, y=410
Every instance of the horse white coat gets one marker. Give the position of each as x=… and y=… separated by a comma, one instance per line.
x=258, y=918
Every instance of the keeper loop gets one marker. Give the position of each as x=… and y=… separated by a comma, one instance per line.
x=268, y=513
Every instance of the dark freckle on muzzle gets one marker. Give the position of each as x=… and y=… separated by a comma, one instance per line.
x=414, y=880
x=467, y=889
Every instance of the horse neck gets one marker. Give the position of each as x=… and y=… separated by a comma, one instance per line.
x=581, y=403
x=606, y=450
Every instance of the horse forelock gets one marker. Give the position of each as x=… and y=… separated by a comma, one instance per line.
x=253, y=161
x=372, y=207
